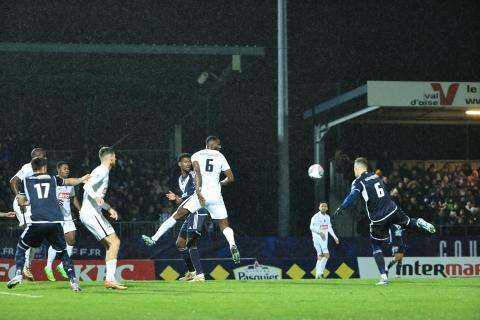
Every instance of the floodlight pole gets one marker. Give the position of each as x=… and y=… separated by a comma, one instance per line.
x=282, y=121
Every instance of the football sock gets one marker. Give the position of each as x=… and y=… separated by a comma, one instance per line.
x=380, y=261
x=195, y=256
x=186, y=257
x=67, y=264
x=323, y=263
x=20, y=256
x=391, y=263
x=317, y=268
x=228, y=233
x=412, y=223
x=399, y=268
x=69, y=250
x=166, y=225
x=111, y=268
x=52, y=253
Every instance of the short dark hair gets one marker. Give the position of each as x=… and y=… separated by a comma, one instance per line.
x=322, y=202
x=183, y=155
x=104, y=151
x=38, y=163
x=61, y=163
x=362, y=161
x=210, y=138
x=38, y=152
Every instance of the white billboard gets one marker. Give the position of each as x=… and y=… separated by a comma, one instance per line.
x=423, y=94
x=425, y=267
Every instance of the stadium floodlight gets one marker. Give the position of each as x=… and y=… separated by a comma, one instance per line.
x=473, y=112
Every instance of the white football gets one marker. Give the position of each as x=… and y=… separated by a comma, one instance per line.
x=316, y=171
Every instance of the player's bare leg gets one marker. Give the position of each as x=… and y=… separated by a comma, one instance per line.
x=228, y=233
x=112, y=245
x=165, y=226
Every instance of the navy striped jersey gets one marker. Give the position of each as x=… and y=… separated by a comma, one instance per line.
x=187, y=184
x=397, y=234
x=377, y=201
x=41, y=192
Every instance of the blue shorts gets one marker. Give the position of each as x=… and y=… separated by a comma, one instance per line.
x=35, y=233
x=194, y=223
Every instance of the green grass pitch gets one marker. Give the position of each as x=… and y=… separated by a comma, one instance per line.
x=282, y=299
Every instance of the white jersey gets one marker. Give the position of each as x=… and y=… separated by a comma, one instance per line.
x=97, y=186
x=321, y=223
x=212, y=164
x=25, y=172
x=64, y=193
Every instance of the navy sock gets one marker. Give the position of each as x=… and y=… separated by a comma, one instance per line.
x=399, y=268
x=380, y=261
x=412, y=223
x=391, y=264
x=187, y=259
x=20, y=256
x=195, y=256
x=378, y=255
x=67, y=264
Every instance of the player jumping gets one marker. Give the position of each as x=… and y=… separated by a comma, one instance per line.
x=381, y=211
x=191, y=227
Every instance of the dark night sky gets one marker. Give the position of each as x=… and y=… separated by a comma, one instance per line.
x=332, y=44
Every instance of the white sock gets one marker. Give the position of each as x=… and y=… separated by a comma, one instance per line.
x=52, y=253
x=164, y=227
x=323, y=263
x=111, y=268
x=317, y=268
x=228, y=233
x=69, y=250
x=27, y=258
x=29, y=255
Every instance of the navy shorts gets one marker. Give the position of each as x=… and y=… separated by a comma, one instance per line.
x=379, y=230
x=35, y=233
x=399, y=249
x=194, y=223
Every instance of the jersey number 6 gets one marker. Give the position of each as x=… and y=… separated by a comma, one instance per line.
x=379, y=189
x=209, y=166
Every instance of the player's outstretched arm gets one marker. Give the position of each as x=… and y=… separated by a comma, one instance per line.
x=76, y=181
x=173, y=197
x=229, y=179
x=10, y=214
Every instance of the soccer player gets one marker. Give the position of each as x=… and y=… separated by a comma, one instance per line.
x=65, y=196
x=208, y=164
x=397, y=235
x=381, y=211
x=23, y=213
x=92, y=217
x=46, y=218
x=192, y=225
x=321, y=226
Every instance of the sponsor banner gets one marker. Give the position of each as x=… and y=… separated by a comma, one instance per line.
x=257, y=271
x=86, y=270
x=263, y=269
x=423, y=94
x=425, y=267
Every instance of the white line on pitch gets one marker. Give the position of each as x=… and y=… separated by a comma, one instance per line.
x=19, y=294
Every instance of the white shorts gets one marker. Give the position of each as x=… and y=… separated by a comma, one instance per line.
x=68, y=226
x=23, y=218
x=213, y=203
x=98, y=225
x=321, y=246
